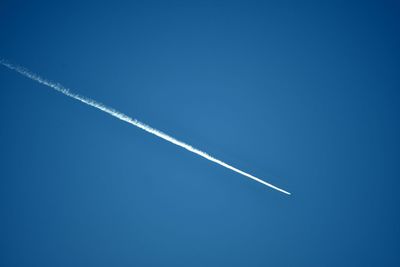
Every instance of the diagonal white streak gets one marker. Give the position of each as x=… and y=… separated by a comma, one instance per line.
x=123, y=117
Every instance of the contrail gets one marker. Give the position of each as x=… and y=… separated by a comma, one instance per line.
x=119, y=115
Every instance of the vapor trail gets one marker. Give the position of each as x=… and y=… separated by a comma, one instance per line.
x=58, y=87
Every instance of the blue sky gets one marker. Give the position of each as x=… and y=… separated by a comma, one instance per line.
x=304, y=95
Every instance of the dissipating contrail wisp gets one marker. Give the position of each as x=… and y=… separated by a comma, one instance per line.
x=119, y=115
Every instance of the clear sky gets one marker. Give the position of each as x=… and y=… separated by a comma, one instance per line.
x=304, y=95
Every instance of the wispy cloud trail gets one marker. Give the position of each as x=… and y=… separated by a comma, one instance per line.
x=115, y=113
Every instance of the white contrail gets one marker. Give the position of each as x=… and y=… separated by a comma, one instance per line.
x=123, y=117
